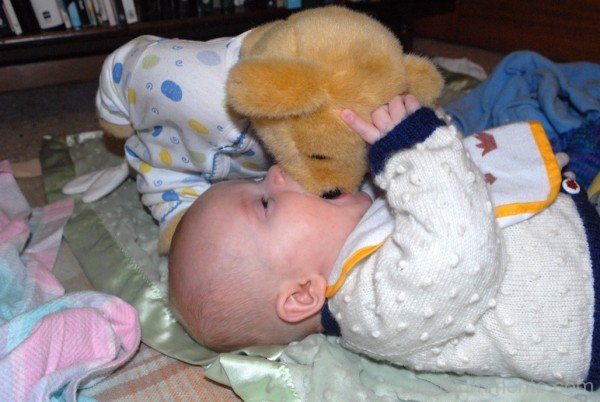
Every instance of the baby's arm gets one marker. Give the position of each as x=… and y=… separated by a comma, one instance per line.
x=440, y=269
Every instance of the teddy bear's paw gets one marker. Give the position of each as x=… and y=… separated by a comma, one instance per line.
x=116, y=130
x=424, y=81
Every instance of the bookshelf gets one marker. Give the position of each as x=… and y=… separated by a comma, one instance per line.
x=55, y=57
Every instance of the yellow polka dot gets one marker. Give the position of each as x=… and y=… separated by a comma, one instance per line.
x=198, y=127
x=188, y=191
x=198, y=157
x=131, y=96
x=250, y=165
x=165, y=157
x=144, y=167
x=150, y=61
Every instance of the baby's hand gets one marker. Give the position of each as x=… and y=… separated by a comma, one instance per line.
x=384, y=118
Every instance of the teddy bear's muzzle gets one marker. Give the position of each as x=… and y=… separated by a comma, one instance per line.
x=331, y=194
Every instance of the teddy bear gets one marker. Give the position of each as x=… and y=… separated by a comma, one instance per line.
x=290, y=78
x=295, y=76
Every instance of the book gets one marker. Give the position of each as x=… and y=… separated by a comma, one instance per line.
x=47, y=14
x=91, y=13
x=26, y=16
x=292, y=4
x=64, y=14
x=120, y=14
x=185, y=9
x=11, y=17
x=73, y=11
x=4, y=25
x=101, y=15
x=110, y=12
x=83, y=15
x=256, y=4
x=130, y=12
x=227, y=6
x=204, y=7
x=167, y=9
x=150, y=10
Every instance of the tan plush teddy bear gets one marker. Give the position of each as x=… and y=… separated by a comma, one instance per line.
x=293, y=80
x=296, y=76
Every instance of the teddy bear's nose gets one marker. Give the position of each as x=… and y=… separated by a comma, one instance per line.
x=331, y=194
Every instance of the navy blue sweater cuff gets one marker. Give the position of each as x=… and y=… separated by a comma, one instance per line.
x=414, y=129
x=330, y=325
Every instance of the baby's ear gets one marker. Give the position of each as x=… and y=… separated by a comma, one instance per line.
x=299, y=301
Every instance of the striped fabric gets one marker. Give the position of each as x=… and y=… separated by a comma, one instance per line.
x=150, y=375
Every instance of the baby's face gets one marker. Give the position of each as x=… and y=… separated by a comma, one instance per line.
x=290, y=225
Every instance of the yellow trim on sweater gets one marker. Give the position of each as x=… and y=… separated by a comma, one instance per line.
x=349, y=265
x=552, y=171
x=594, y=188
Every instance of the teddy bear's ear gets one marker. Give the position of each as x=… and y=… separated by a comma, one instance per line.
x=275, y=88
x=256, y=34
x=424, y=81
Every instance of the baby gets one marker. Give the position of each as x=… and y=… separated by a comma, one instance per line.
x=424, y=278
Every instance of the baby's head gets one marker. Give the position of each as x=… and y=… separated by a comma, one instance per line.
x=249, y=261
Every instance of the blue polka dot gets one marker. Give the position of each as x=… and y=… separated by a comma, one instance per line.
x=130, y=152
x=208, y=57
x=174, y=140
x=117, y=72
x=184, y=159
x=157, y=131
x=170, y=196
x=193, y=179
x=171, y=90
x=249, y=152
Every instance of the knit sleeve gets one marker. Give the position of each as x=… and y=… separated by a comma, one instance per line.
x=439, y=271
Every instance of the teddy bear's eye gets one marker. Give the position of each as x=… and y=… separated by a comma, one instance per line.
x=319, y=156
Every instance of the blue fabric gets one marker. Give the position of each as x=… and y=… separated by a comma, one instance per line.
x=583, y=147
x=527, y=86
x=328, y=322
x=414, y=129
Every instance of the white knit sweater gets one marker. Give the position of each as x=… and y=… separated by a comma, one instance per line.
x=450, y=291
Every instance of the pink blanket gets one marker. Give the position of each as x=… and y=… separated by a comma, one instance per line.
x=51, y=344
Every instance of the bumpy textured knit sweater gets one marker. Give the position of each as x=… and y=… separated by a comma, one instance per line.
x=450, y=291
